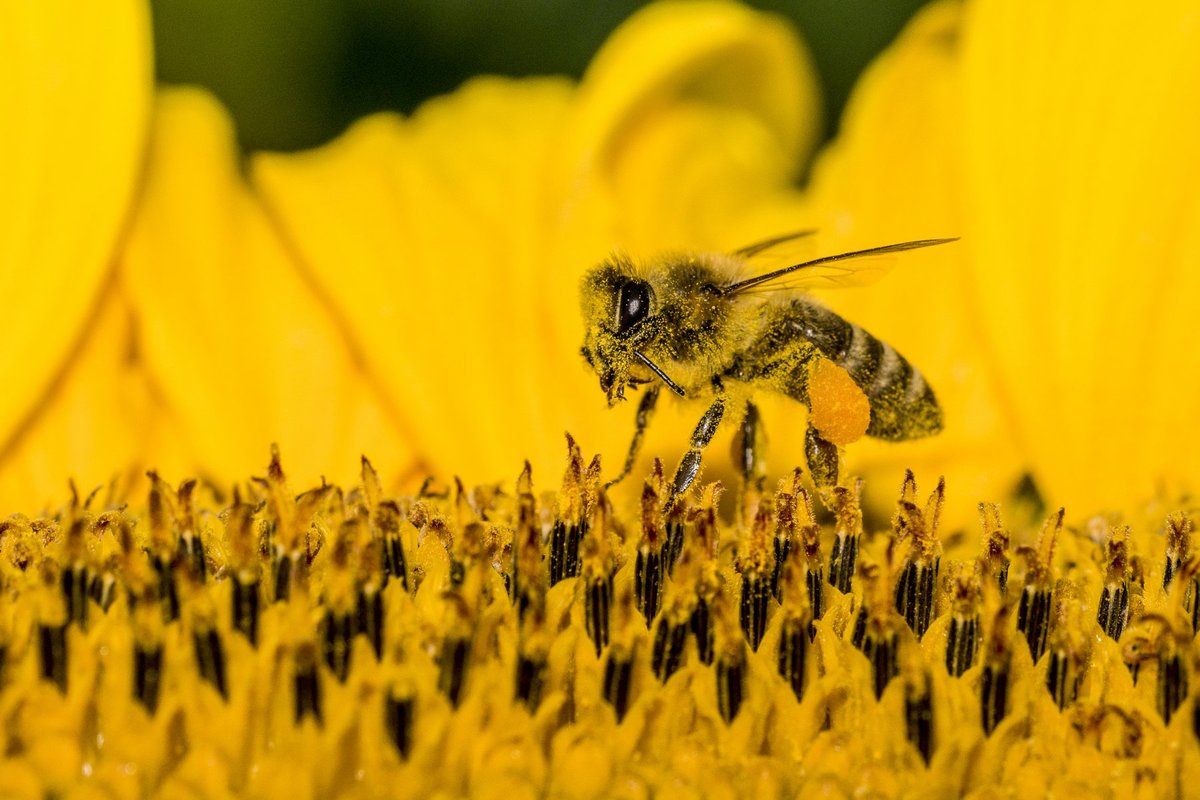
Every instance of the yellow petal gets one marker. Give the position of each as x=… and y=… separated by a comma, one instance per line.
x=712, y=53
x=77, y=86
x=241, y=349
x=100, y=426
x=1080, y=130
x=688, y=113
x=895, y=174
x=429, y=236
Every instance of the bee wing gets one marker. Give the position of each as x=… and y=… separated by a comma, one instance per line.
x=779, y=249
x=855, y=268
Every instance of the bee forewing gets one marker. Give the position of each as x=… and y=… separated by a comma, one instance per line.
x=853, y=268
x=862, y=271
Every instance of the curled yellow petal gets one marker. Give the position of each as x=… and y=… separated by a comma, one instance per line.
x=712, y=53
x=77, y=88
x=687, y=116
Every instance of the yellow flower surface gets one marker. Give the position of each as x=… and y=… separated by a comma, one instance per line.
x=475, y=643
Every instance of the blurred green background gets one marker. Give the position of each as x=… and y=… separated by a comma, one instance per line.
x=296, y=72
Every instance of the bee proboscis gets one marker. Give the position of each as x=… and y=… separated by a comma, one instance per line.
x=696, y=325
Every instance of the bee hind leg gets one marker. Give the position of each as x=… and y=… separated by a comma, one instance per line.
x=822, y=456
x=689, y=465
x=644, y=413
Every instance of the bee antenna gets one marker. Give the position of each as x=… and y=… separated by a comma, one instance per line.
x=672, y=385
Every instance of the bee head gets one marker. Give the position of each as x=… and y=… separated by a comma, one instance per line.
x=619, y=315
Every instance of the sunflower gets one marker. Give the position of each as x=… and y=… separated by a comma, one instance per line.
x=410, y=291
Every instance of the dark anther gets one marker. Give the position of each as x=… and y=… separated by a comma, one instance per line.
x=101, y=588
x=962, y=640
x=993, y=696
x=597, y=603
x=1061, y=680
x=308, y=687
x=147, y=676
x=1196, y=720
x=647, y=581
x=918, y=720
x=458, y=572
x=452, y=668
x=368, y=618
x=756, y=594
x=168, y=589
x=245, y=602
x=192, y=550
x=1113, y=612
x=915, y=596
x=400, y=724
x=731, y=685
x=815, y=580
x=884, y=657
x=74, y=582
x=1033, y=618
x=793, y=655
x=210, y=660
x=564, y=550
x=1002, y=578
x=618, y=676
x=394, y=565
x=531, y=675
x=783, y=547
x=1172, y=685
x=673, y=545
x=701, y=626
x=337, y=634
x=842, y=561
x=858, y=636
x=667, y=652
x=52, y=654
x=283, y=578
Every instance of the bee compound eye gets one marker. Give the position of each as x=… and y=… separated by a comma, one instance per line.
x=633, y=305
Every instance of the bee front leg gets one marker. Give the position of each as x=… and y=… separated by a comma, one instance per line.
x=644, y=413
x=689, y=465
x=822, y=458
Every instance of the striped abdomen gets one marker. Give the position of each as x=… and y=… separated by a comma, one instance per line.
x=902, y=404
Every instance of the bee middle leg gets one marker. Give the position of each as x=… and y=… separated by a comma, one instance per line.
x=689, y=465
x=644, y=413
x=748, y=445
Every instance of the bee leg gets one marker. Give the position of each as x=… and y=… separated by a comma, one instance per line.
x=644, y=413
x=689, y=465
x=822, y=458
x=748, y=445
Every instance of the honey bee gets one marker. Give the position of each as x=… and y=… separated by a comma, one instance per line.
x=696, y=325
